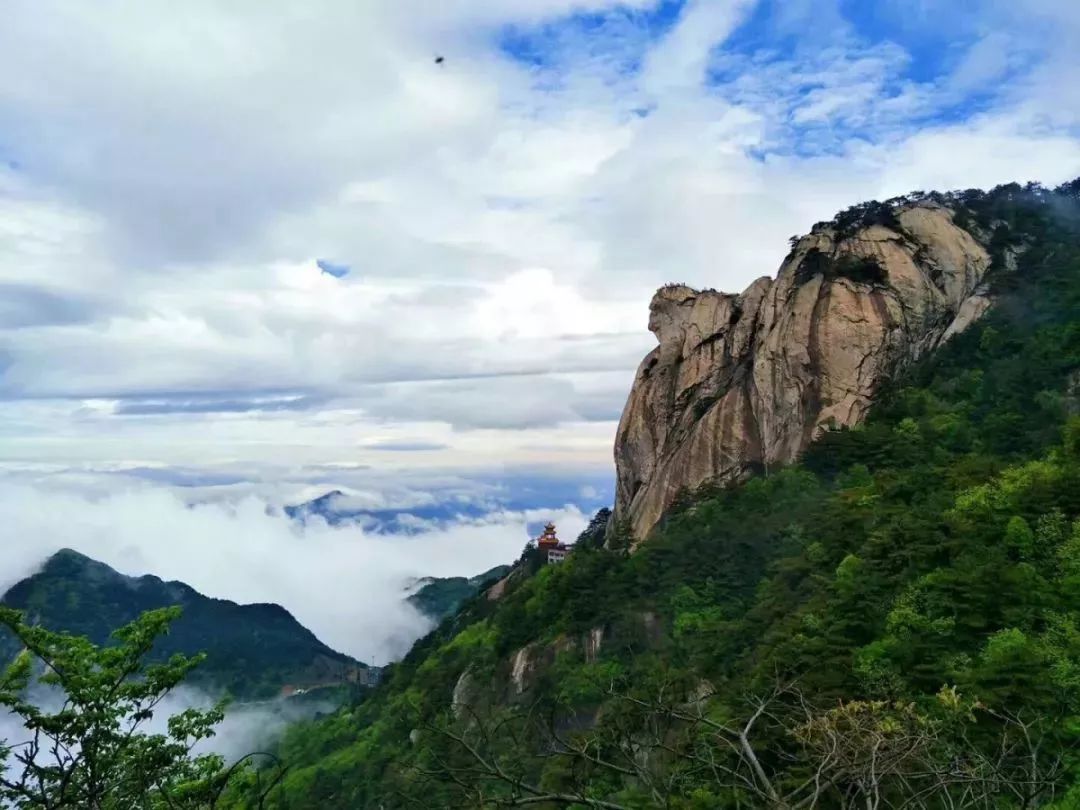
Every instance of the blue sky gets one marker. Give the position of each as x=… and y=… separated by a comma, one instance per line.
x=903, y=48
x=332, y=269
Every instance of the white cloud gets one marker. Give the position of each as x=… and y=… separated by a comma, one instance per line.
x=344, y=584
x=247, y=727
x=677, y=64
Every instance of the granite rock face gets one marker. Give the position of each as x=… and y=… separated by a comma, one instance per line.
x=745, y=382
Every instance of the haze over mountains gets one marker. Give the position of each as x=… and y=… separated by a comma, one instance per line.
x=344, y=583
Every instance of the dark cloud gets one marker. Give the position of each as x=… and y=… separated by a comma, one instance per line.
x=23, y=306
x=600, y=408
x=406, y=447
x=151, y=407
x=182, y=477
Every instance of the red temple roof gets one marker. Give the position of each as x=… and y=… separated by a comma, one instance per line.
x=548, y=539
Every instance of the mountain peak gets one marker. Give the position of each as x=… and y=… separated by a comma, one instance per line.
x=744, y=382
x=70, y=555
x=69, y=562
x=252, y=650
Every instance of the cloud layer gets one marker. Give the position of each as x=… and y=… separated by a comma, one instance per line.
x=176, y=182
x=342, y=582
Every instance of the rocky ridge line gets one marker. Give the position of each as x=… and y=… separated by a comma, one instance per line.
x=745, y=382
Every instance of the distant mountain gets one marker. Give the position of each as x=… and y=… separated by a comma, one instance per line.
x=325, y=507
x=461, y=500
x=439, y=597
x=337, y=508
x=253, y=651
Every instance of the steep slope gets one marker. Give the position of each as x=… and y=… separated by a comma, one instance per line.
x=936, y=544
x=253, y=651
x=745, y=382
x=440, y=597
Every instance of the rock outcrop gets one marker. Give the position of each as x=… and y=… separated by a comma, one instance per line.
x=745, y=382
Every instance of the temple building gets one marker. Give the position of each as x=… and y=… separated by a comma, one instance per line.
x=549, y=543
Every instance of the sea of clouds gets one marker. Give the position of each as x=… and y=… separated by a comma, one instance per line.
x=344, y=582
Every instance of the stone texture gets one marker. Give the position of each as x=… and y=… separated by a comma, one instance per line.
x=592, y=642
x=521, y=667
x=496, y=591
x=464, y=694
x=745, y=382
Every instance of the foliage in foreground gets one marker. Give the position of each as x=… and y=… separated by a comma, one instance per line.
x=92, y=751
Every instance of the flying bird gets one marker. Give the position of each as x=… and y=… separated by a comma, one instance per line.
x=439, y=60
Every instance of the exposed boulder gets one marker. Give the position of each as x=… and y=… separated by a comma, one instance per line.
x=464, y=694
x=591, y=644
x=745, y=382
x=522, y=667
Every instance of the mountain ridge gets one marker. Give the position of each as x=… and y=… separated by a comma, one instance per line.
x=253, y=650
x=439, y=598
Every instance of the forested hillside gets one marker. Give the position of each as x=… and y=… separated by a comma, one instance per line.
x=892, y=622
x=439, y=597
x=252, y=651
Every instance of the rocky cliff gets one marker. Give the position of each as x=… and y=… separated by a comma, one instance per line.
x=745, y=382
